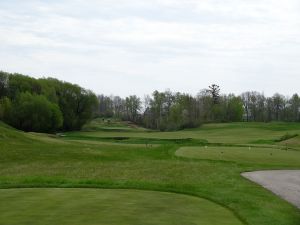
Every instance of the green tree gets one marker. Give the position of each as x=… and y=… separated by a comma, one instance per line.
x=19, y=83
x=77, y=105
x=278, y=105
x=132, y=106
x=235, y=109
x=157, y=105
x=5, y=109
x=3, y=84
x=295, y=108
x=35, y=113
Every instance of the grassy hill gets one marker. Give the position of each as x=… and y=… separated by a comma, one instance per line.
x=205, y=163
x=222, y=133
x=104, y=124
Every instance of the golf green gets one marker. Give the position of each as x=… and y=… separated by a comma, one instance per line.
x=45, y=206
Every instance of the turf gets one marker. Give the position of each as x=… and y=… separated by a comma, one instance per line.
x=250, y=155
x=108, y=207
x=114, y=125
x=232, y=133
x=29, y=160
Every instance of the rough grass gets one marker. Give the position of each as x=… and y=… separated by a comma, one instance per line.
x=41, y=162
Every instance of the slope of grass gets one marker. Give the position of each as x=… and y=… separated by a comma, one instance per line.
x=35, y=160
x=8, y=133
x=292, y=142
x=114, y=125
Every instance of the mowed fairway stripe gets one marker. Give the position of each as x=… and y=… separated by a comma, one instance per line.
x=108, y=207
x=264, y=156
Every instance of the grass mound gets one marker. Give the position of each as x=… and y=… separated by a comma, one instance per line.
x=110, y=124
x=108, y=207
x=8, y=133
x=293, y=142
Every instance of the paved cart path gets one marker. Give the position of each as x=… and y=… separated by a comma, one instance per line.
x=284, y=183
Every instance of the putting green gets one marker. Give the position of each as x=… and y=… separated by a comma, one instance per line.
x=266, y=156
x=108, y=207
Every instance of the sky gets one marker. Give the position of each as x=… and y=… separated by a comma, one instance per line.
x=125, y=47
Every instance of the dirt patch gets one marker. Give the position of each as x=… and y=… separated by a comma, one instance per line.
x=284, y=183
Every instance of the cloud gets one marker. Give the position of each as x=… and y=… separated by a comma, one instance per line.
x=183, y=45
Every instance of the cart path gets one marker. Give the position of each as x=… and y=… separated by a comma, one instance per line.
x=284, y=183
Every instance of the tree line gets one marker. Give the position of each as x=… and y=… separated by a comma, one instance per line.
x=50, y=105
x=174, y=110
x=44, y=105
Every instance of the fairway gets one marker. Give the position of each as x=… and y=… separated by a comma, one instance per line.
x=251, y=133
x=110, y=176
x=108, y=207
x=264, y=156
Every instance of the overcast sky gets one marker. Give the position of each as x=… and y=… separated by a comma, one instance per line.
x=125, y=47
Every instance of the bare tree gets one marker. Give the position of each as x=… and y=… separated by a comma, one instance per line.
x=246, y=103
x=215, y=93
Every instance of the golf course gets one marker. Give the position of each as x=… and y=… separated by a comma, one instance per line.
x=138, y=112
x=115, y=173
